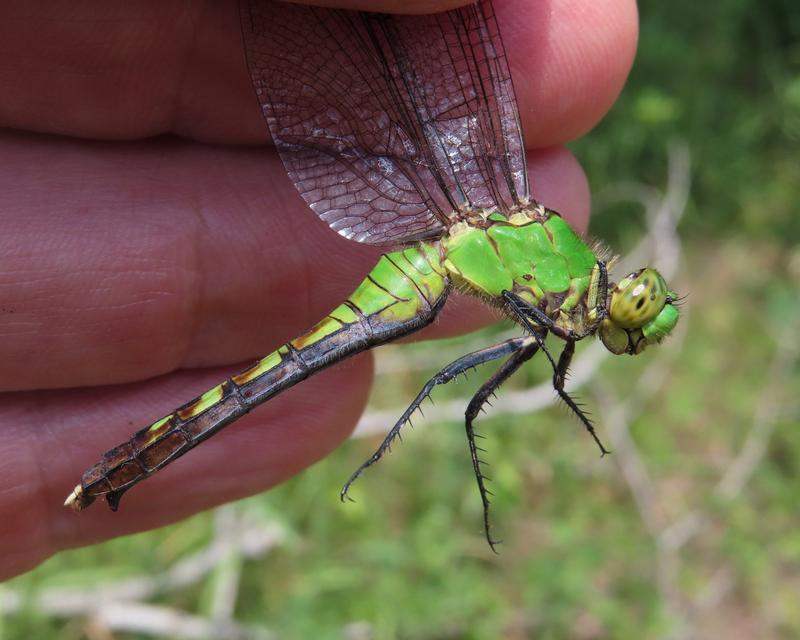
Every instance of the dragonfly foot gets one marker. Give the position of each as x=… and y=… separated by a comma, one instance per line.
x=493, y=544
x=344, y=496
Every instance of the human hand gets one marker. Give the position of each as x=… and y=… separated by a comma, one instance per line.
x=135, y=273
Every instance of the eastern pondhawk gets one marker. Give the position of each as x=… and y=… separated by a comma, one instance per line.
x=404, y=130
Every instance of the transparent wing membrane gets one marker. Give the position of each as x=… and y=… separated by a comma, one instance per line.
x=388, y=125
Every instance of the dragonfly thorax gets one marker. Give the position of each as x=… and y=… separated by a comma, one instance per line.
x=532, y=253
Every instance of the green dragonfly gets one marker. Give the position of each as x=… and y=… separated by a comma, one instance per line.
x=404, y=131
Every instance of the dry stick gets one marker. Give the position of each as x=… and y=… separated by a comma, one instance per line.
x=229, y=570
x=767, y=414
x=617, y=415
x=165, y=622
x=663, y=216
x=115, y=605
x=670, y=539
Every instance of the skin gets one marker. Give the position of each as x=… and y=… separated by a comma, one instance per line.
x=138, y=272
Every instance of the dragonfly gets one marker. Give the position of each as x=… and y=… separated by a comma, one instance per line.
x=404, y=131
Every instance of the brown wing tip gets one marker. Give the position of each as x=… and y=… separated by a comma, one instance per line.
x=78, y=500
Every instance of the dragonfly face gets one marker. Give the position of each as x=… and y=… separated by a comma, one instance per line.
x=640, y=313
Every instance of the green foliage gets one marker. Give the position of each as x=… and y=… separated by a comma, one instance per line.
x=725, y=77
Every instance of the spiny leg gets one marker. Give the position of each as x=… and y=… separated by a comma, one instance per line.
x=524, y=312
x=469, y=361
x=509, y=367
x=597, y=301
x=559, y=378
x=601, y=308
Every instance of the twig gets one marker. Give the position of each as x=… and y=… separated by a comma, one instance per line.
x=768, y=412
x=168, y=623
x=229, y=569
x=116, y=606
x=669, y=540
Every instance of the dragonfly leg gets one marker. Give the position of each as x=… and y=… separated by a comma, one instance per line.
x=525, y=352
x=559, y=378
x=455, y=368
x=600, y=301
x=524, y=312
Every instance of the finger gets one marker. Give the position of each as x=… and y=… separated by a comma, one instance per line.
x=122, y=262
x=152, y=67
x=51, y=437
x=569, y=61
x=388, y=6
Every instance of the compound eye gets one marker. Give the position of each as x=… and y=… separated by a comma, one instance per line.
x=638, y=298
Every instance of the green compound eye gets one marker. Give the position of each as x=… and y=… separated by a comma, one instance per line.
x=662, y=325
x=638, y=298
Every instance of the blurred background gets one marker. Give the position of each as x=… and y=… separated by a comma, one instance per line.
x=689, y=530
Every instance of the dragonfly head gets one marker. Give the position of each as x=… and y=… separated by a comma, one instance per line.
x=641, y=312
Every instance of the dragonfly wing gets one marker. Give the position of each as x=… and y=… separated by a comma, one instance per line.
x=388, y=125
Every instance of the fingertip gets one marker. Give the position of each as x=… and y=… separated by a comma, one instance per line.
x=559, y=182
x=389, y=6
x=569, y=62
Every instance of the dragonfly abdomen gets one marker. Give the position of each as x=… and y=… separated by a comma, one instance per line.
x=402, y=294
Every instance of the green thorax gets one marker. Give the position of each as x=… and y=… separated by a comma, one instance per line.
x=534, y=253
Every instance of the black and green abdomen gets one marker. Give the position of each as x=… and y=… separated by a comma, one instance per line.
x=402, y=294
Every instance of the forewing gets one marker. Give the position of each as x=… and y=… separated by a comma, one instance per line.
x=388, y=125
